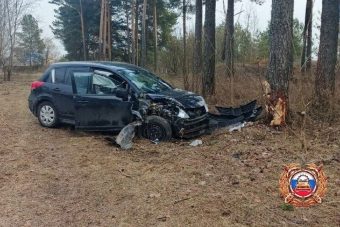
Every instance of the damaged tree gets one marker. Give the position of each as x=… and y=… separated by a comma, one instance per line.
x=280, y=67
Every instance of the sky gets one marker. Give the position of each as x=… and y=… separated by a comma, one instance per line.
x=44, y=12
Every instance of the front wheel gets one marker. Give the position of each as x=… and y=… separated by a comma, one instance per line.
x=47, y=115
x=156, y=128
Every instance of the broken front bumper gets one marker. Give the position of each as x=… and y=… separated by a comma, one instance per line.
x=189, y=128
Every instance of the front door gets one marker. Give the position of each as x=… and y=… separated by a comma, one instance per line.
x=96, y=105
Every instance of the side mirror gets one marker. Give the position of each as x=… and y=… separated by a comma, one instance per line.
x=122, y=93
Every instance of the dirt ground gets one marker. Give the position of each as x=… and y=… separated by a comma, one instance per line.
x=61, y=177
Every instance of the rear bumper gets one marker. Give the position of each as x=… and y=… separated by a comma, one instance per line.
x=32, y=105
x=189, y=128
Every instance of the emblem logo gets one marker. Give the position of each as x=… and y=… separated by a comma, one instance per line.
x=303, y=187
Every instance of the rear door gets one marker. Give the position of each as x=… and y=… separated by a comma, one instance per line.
x=96, y=105
x=61, y=90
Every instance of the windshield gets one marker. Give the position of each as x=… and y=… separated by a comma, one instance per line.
x=145, y=81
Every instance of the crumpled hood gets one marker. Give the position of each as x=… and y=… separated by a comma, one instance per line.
x=188, y=100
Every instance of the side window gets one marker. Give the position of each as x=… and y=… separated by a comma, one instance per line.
x=82, y=82
x=72, y=70
x=94, y=83
x=102, y=85
x=57, y=76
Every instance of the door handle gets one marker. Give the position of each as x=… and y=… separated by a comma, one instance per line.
x=82, y=102
x=56, y=89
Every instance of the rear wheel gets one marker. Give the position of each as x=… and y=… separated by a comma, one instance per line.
x=47, y=115
x=156, y=128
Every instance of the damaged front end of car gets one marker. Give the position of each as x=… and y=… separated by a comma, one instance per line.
x=187, y=114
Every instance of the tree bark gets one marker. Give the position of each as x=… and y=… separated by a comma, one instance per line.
x=325, y=71
x=197, y=69
x=280, y=66
x=127, y=18
x=155, y=36
x=82, y=28
x=307, y=38
x=310, y=39
x=185, y=74
x=229, y=41
x=137, y=32
x=208, y=80
x=133, y=30
x=143, y=60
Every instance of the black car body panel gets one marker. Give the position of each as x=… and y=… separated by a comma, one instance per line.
x=70, y=87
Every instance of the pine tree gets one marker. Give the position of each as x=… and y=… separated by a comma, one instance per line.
x=325, y=72
x=208, y=81
x=30, y=40
x=197, y=66
x=280, y=66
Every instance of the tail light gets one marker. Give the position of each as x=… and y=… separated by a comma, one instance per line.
x=36, y=84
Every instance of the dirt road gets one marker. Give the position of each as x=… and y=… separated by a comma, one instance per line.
x=60, y=177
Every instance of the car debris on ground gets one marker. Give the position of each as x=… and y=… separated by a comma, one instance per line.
x=126, y=135
x=233, y=119
x=196, y=143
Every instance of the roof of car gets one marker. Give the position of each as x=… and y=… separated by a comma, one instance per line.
x=105, y=64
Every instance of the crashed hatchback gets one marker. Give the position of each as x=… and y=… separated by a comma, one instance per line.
x=107, y=96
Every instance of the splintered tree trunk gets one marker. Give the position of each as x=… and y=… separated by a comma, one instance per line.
x=197, y=69
x=307, y=38
x=155, y=35
x=185, y=74
x=280, y=66
x=208, y=80
x=229, y=41
x=143, y=60
x=325, y=71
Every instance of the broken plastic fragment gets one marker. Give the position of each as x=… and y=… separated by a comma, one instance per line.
x=126, y=135
x=236, y=127
x=196, y=143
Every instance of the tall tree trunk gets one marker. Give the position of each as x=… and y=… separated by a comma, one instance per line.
x=127, y=18
x=229, y=41
x=133, y=30
x=105, y=36
x=208, y=80
x=197, y=69
x=143, y=60
x=325, y=71
x=137, y=32
x=307, y=38
x=280, y=66
x=82, y=28
x=109, y=30
x=310, y=39
x=155, y=36
x=185, y=73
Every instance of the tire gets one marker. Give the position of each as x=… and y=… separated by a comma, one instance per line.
x=47, y=115
x=156, y=128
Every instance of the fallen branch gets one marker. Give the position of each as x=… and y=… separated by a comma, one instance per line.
x=125, y=175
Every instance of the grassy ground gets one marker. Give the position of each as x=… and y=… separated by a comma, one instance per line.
x=61, y=177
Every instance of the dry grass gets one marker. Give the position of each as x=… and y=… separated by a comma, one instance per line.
x=60, y=177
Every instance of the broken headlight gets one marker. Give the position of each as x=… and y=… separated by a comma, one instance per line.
x=182, y=114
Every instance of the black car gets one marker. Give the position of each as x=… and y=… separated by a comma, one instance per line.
x=107, y=96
